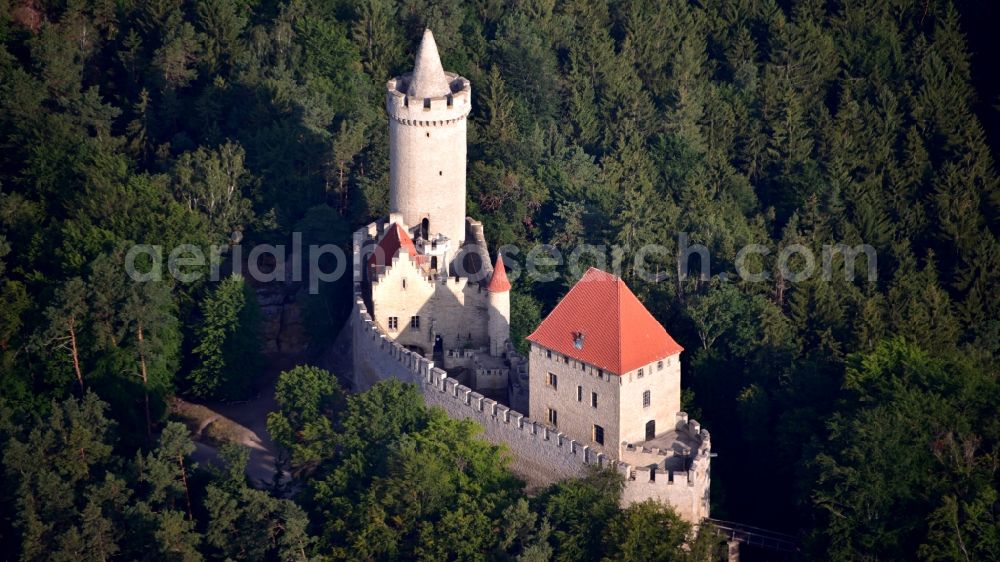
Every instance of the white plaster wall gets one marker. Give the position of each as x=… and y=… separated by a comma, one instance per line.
x=403, y=291
x=499, y=321
x=665, y=399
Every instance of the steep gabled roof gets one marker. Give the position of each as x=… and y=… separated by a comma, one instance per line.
x=498, y=281
x=394, y=240
x=428, y=79
x=618, y=333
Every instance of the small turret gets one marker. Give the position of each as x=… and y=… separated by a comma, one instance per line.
x=499, y=308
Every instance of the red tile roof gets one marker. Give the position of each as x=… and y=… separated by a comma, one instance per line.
x=394, y=240
x=498, y=281
x=619, y=334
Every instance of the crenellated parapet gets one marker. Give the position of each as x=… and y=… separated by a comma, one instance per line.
x=538, y=452
x=432, y=111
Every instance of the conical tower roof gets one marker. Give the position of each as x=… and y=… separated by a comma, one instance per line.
x=498, y=281
x=428, y=79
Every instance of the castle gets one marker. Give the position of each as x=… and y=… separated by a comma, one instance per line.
x=601, y=384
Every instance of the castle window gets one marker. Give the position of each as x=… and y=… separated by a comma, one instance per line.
x=548, y=354
x=394, y=323
x=404, y=283
x=645, y=399
x=553, y=417
x=598, y=434
x=566, y=359
x=593, y=399
x=428, y=135
x=427, y=105
x=414, y=321
x=440, y=172
x=659, y=365
x=579, y=394
x=640, y=373
x=600, y=374
x=553, y=380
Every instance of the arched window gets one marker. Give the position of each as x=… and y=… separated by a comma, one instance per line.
x=425, y=228
x=650, y=429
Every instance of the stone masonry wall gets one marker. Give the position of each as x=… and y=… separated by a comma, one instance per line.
x=548, y=456
x=427, y=158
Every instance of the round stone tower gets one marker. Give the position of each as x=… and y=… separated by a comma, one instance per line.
x=498, y=301
x=427, y=129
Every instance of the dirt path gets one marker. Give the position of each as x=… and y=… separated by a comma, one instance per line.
x=243, y=422
x=213, y=423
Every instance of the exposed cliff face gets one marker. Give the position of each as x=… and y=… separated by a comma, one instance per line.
x=282, y=329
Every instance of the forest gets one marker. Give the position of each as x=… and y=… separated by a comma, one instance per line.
x=859, y=415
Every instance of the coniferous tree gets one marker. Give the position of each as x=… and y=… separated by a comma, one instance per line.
x=66, y=321
x=228, y=341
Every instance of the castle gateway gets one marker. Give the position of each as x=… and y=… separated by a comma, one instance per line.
x=602, y=381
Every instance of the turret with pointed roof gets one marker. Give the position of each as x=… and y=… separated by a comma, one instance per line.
x=498, y=281
x=498, y=300
x=427, y=146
